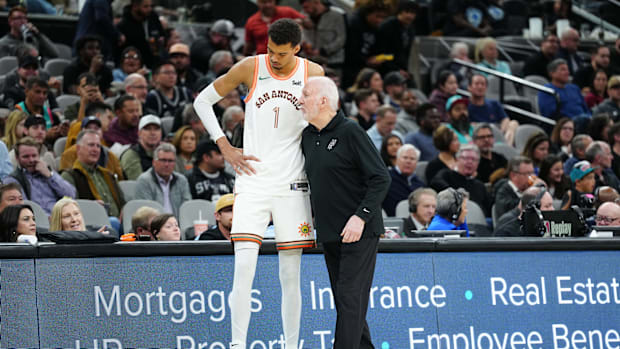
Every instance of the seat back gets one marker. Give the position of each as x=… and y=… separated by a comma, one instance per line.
x=506, y=150
x=66, y=100
x=56, y=66
x=193, y=210
x=523, y=133
x=402, y=209
x=420, y=170
x=128, y=187
x=166, y=125
x=59, y=146
x=7, y=64
x=475, y=215
x=132, y=206
x=42, y=219
x=93, y=212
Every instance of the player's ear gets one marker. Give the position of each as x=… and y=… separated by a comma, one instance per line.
x=296, y=49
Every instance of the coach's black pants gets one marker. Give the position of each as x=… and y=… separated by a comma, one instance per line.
x=351, y=268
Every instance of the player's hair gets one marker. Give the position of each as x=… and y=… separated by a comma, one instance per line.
x=285, y=31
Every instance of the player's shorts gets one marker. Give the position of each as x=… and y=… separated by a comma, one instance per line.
x=292, y=219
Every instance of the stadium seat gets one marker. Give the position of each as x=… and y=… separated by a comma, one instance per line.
x=56, y=66
x=64, y=51
x=193, y=210
x=497, y=134
x=94, y=213
x=132, y=206
x=420, y=170
x=402, y=209
x=59, y=146
x=110, y=101
x=422, y=98
x=40, y=216
x=493, y=88
x=531, y=93
x=66, y=100
x=166, y=125
x=523, y=133
x=506, y=150
x=128, y=187
x=7, y=64
x=2, y=78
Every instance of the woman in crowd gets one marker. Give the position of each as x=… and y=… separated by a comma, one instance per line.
x=561, y=136
x=446, y=88
x=367, y=78
x=599, y=127
x=486, y=56
x=131, y=62
x=17, y=220
x=390, y=145
x=536, y=148
x=598, y=91
x=552, y=172
x=446, y=141
x=67, y=215
x=165, y=228
x=184, y=141
x=14, y=129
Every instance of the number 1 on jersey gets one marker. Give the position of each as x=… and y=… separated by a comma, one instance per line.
x=276, y=110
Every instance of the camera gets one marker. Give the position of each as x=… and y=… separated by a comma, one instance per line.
x=26, y=33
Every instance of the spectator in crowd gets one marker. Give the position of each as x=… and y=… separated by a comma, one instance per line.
x=39, y=183
x=561, y=137
x=599, y=127
x=446, y=88
x=458, y=118
x=584, y=182
x=490, y=161
x=572, y=103
x=599, y=155
x=481, y=109
x=14, y=128
x=536, y=148
x=428, y=119
x=124, y=128
x=20, y=31
x=520, y=176
x=14, y=90
x=537, y=63
x=596, y=94
x=615, y=57
x=389, y=147
x=88, y=90
x=67, y=215
x=605, y=194
x=167, y=98
x=362, y=35
x=614, y=141
x=35, y=128
x=131, y=62
x=459, y=50
x=219, y=63
x=422, y=207
x=451, y=210
x=233, y=115
x=404, y=179
x=487, y=56
x=463, y=176
x=91, y=181
x=15, y=221
x=35, y=103
x=96, y=19
x=467, y=18
x=223, y=220
x=185, y=140
x=160, y=183
x=326, y=37
x=256, y=26
x=394, y=85
x=509, y=224
x=368, y=78
x=101, y=111
x=165, y=227
x=10, y=194
x=578, y=147
x=139, y=157
x=367, y=104
x=448, y=145
x=89, y=59
x=608, y=214
x=611, y=105
x=384, y=125
x=141, y=221
x=396, y=35
x=599, y=60
x=406, y=119
x=143, y=30
x=208, y=180
x=552, y=173
x=219, y=37
x=186, y=75
x=569, y=43
x=5, y=163
x=137, y=86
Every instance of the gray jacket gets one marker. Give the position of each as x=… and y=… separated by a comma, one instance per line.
x=148, y=188
x=329, y=36
x=43, y=44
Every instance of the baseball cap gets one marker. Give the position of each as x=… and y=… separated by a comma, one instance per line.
x=224, y=201
x=393, y=78
x=147, y=120
x=87, y=120
x=614, y=81
x=455, y=100
x=28, y=60
x=223, y=27
x=34, y=120
x=179, y=48
x=580, y=170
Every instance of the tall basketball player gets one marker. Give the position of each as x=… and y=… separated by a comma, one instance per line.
x=270, y=171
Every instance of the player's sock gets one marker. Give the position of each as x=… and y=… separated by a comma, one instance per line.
x=246, y=254
x=289, y=263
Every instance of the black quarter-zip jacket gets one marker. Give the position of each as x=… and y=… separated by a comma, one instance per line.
x=347, y=177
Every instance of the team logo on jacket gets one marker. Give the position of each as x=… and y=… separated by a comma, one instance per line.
x=304, y=229
x=332, y=144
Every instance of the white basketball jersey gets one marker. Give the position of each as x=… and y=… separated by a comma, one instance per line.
x=272, y=130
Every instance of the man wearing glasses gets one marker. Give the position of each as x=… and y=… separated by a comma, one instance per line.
x=21, y=31
x=490, y=161
x=608, y=214
x=509, y=191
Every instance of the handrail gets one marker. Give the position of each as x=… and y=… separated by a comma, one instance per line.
x=595, y=20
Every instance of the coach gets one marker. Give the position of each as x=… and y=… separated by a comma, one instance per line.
x=348, y=182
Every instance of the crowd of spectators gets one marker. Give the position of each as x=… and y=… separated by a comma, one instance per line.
x=133, y=118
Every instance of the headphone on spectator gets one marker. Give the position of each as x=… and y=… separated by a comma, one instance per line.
x=456, y=206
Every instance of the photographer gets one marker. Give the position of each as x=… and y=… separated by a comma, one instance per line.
x=21, y=31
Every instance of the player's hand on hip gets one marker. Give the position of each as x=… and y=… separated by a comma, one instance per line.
x=239, y=162
x=352, y=231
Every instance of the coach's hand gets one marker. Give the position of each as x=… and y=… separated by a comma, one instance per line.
x=352, y=231
x=239, y=162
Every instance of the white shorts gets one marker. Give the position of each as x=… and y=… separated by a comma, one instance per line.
x=292, y=219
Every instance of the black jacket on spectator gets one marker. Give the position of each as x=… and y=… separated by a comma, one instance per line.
x=573, y=59
x=585, y=76
x=201, y=51
x=505, y=198
x=508, y=224
x=433, y=167
x=158, y=104
x=608, y=178
x=76, y=68
x=400, y=188
x=205, y=188
x=213, y=233
x=361, y=44
x=477, y=191
x=396, y=40
x=486, y=167
x=610, y=107
x=536, y=64
x=135, y=35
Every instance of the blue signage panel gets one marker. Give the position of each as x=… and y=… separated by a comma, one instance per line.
x=18, y=308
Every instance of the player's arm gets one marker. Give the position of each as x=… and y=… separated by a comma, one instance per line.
x=241, y=72
x=315, y=69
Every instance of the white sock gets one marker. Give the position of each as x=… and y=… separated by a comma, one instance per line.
x=246, y=254
x=289, y=263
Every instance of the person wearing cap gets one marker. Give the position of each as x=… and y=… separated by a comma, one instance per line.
x=35, y=128
x=124, y=128
x=394, y=85
x=89, y=59
x=600, y=157
x=161, y=183
x=167, y=98
x=223, y=220
x=584, y=180
x=384, y=125
x=18, y=19
x=611, y=105
x=139, y=157
x=326, y=38
x=208, y=180
x=179, y=57
x=458, y=118
x=218, y=38
x=14, y=90
x=39, y=183
x=143, y=30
